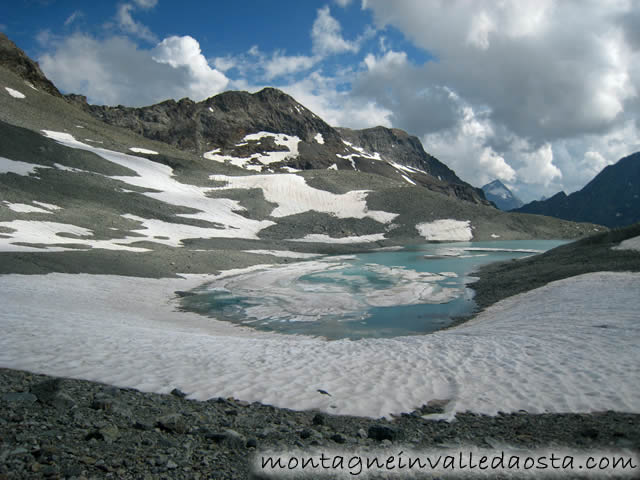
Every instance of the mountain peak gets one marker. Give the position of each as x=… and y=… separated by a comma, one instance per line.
x=498, y=193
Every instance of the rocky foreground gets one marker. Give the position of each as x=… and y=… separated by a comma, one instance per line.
x=63, y=428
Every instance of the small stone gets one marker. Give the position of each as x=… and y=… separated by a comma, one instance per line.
x=46, y=390
x=61, y=401
x=362, y=433
x=174, y=422
x=102, y=402
x=171, y=465
x=110, y=433
x=176, y=392
x=336, y=437
x=19, y=397
x=381, y=432
x=142, y=425
x=233, y=439
x=252, y=443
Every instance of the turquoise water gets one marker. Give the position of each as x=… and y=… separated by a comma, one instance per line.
x=413, y=291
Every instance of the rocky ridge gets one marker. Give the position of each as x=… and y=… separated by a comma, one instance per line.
x=221, y=124
x=612, y=198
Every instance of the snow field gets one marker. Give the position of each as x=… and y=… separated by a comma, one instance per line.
x=293, y=195
x=544, y=350
x=446, y=230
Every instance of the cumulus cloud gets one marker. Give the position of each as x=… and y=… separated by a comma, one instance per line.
x=129, y=25
x=547, y=69
x=280, y=64
x=116, y=71
x=552, y=79
x=464, y=147
x=326, y=34
x=337, y=107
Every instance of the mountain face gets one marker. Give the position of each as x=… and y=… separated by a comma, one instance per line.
x=199, y=187
x=15, y=60
x=269, y=131
x=498, y=193
x=612, y=198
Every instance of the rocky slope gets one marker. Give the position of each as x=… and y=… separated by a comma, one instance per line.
x=498, y=193
x=64, y=428
x=612, y=198
x=229, y=126
x=15, y=60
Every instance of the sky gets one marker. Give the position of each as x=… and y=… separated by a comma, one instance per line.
x=541, y=95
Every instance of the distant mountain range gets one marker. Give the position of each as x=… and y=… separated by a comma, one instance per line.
x=498, y=193
x=612, y=198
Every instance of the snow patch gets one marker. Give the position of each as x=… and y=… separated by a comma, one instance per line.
x=14, y=93
x=333, y=167
x=24, y=208
x=258, y=160
x=47, y=233
x=446, y=230
x=143, y=150
x=293, y=196
x=319, y=138
x=284, y=253
x=323, y=238
x=48, y=206
x=19, y=168
x=408, y=180
x=629, y=244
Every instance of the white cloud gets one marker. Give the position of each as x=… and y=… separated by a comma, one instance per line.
x=73, y=17
x=547, y=81
x=185, y=52
x=130, y=26
x=338, y=108
x=116, y=71
x=146, y=4
x=280, y=64
x=326, y=35
x=343, y=3
x=464, y=148
x=224, y=63
x=538, y=165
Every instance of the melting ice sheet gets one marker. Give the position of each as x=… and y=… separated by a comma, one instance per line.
x=337, y=297
x=372, y=295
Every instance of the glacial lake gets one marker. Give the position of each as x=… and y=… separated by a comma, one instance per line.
x=389, y=293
